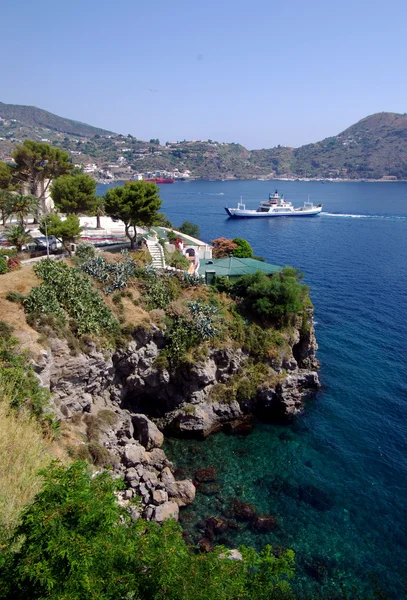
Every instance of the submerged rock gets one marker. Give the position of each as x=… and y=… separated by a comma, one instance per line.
x=243, y=510
x=264, y=523
x=206, y=474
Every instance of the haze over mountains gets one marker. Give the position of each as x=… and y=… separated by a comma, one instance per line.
x=373, y=148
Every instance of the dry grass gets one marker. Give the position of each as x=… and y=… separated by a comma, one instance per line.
x=19, y=281
x=23, y=451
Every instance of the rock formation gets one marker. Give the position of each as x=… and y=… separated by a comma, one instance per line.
x=147, y=400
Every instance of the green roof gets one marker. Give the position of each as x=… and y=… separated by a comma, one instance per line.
x=234, y=267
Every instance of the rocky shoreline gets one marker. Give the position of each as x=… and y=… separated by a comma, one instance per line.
x=141, y=401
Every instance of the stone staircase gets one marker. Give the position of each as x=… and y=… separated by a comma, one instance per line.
x=157, y=254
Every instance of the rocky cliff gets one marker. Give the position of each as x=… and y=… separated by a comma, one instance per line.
x=192, y=399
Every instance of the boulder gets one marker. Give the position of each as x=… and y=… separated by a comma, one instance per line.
x=160, y=497
x=133, y=455
x=167, y=477
x=182, y=492
x=165, y=511
x=146, y=432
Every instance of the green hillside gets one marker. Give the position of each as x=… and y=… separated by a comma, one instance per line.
x=373, y=148
x=31, y=116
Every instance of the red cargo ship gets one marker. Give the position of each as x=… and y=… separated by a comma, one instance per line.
x=160, y=180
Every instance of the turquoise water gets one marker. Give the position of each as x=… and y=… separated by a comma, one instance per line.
x=336, y=478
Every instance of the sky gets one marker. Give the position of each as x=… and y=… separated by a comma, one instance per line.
x=259, y=72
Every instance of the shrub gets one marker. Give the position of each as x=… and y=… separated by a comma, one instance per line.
x=84, y=252
x=14, y=263
x=15, y=297
x=115, y=276
x=76, y=542
x=178, y=260
x=67, y=289
x=9, y=252
x=222, y=247
x=243, y=250
x=3, y=265
x=271, y=298
x=17, y=378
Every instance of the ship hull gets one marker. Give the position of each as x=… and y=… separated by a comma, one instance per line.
x=235, y=213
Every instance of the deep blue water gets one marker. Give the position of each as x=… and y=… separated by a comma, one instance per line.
x=351, y=444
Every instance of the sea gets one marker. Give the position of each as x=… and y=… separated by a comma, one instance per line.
x=335, y=477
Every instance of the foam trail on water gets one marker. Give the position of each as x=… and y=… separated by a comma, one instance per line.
x=352, y=216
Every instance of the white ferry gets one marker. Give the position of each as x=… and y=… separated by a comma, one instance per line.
x=275, y=206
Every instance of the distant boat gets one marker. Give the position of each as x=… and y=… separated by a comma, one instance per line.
x=275, y=206
x=160, y=180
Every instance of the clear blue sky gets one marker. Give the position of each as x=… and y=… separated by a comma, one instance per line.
x=260, y=72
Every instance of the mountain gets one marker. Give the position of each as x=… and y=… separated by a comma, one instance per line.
x=31, y=116
x=373, y=148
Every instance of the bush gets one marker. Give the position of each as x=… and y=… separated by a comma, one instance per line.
x=3, y=265
x=15, y=297
x=178, y=260
x=68, y=290
x=76, y=542
x=9, y=252
x=84, y=252
x=243, y=250
x=271, y=298
x=115, y=276
x=14, y=263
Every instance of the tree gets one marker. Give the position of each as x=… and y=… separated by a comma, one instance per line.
x=135, y=204
x=67, y=231
x=243, y=250
x=3, y=204
x=99, y=210
x=18, y=236
x=5, y=175
x=74, y=194
x=190, y=229
x=38, y=163
x=222, y=247
x=20, y=205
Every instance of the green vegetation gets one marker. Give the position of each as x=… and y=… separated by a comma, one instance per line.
x=190, y=229
x=32, y=116
x=3, y=265
x=76, y=542
x=20, y=206
x=37, y=162
x=178, y=260
x=67, y=231
x=114, y=276
x=74, y=194
x=67, y=293
x=271, y=298
x=372, y=148
x=243, y=250
x=18, y=236
x=136, y=204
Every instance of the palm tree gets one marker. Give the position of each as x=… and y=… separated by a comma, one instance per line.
x=21, y=206
x=18, y=236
